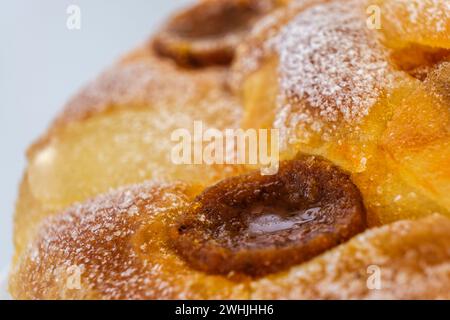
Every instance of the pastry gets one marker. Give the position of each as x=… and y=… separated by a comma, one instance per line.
x=358, y=209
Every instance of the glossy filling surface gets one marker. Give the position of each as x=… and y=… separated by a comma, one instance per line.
x=208, y=33
x=255, y=225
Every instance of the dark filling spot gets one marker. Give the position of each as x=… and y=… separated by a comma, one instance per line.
x=255, y=225
x=438, y=80
x=208, y=33
x=212, y=21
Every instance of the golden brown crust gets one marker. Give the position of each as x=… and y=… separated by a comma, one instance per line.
x=311, y=69
x=352, y=99
x=116, y=245
x=251, y=54
x=141, y=92
x=410, y=258
x=141, y=80
x=133, y=101
x=256, y=225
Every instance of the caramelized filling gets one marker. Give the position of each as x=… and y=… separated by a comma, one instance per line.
x=419, y=60
x=255, y=225
x=208, y=33
x=438, y=80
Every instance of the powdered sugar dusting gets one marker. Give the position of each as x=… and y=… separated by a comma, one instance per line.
x=412, y=257
x=332, y=68
x=116, y=243
x=155, y=83
x=330, y=63
x=262, y=39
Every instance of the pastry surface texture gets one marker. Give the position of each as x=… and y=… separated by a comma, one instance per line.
x=363, y=183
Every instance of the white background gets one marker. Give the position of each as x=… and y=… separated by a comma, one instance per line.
x=42, y=64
